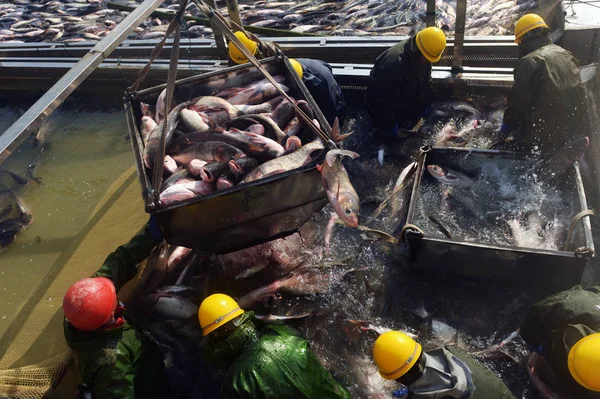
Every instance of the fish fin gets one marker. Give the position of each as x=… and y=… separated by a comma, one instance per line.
x=320, y=168
x=332, y=154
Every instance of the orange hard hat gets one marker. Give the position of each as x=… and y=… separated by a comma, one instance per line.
x=90, y=303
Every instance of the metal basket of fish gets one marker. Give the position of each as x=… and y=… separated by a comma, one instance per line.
x=240, y=167
x=501, y=215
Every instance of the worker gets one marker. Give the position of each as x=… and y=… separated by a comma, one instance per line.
x=316, y=75
x=261, y=360
x=563, y=332
x=546, y=104
x=113, y=355
x=446, y=372
x=399, y=88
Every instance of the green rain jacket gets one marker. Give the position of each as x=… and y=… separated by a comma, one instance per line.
x=547, y=102
x=271, y=361
x=559, y=322
x=399, y=87
x=121, y=362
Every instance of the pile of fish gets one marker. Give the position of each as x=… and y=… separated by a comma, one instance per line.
x=462, y=124
x=238, y=136
x=85, y=20
x=502, y=203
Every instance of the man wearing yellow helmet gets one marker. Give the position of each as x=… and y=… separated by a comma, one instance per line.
x=446, y=372
x=399, y=87
x=546, y=105
x=261, y=360
x=316, y=75
x=564, y=330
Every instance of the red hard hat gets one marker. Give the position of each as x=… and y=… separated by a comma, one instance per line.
x=90, y=302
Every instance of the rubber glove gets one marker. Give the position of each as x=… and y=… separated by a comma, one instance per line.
x=399, y=393
x=505, y=130
x=537, y=349
x=154, y=228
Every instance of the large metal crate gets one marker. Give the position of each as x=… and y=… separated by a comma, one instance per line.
x=513, y=264
x=243, y=215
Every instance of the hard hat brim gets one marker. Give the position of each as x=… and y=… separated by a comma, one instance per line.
x=394, y=375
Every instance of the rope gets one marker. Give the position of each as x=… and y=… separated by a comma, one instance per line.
x=576, y=219
x=225, y=27
x=409, y=226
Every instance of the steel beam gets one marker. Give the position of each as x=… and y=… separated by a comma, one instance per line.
x=31, y=121
x=459, y=35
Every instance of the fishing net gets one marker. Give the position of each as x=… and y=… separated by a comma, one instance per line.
x=35, y=357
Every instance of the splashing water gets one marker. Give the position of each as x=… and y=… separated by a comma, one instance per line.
x=507, y=205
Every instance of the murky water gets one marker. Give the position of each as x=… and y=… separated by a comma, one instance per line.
x=84, y=152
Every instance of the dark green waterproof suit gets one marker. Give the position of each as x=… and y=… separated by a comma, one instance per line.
x=547, y=101
x=271, y=361
x=399, y=87
x=556, y=324
x=121, y=362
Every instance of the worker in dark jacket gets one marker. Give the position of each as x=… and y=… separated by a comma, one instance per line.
x=564, y=331
x=316, y=75
x=446, y=372
x=399, y=88
x=546, y=105
x=269, y=361
x=114, y=357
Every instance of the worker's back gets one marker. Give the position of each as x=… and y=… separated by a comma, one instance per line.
x=559, y=109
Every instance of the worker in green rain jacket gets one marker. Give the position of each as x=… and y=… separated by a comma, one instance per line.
x=262, y=360
x=114, y=357
x=446, y=372
x=564, y=331
x=399, y=88
x=546, y=107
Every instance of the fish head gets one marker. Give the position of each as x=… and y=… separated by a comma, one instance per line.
x=347, y=207
x=437, y=171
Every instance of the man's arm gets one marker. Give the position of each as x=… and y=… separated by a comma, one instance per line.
x=114, y=381
x=121, y=265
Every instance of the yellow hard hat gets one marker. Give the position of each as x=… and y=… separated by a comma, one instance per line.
x=234, y=52
x=431, y=42
x=297, y=67
x=584, y=362
x=527, y=23
x=395, y=353
x=217, y=310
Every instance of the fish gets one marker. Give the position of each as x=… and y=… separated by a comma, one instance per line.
x=265, y=107
x=154, y=139
x=256, y=148
x=283, y=114
x=213, y=170
x=147, y=125
x=169, y=305
x=452, y=108
x=450, y=177
x=160, y=107
x=170, y=166
x=192, y=121
x=271, y=129
x=183, y=191
x=303, y=156
x=254, y=93
x=271, y=146
x=208, y=151
x=340, y=192
x=242, y=166
x=226, y=180
x=195, y=166
x=468, y=200
x=272, y=317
